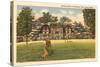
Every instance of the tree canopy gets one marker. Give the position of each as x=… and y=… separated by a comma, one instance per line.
x=64, y=19
x=47, y=17
x=24, y=21
x=89, y=18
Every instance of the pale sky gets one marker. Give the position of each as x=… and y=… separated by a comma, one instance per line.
x=74, y=14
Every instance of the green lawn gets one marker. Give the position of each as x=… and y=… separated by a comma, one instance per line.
x=73, y=49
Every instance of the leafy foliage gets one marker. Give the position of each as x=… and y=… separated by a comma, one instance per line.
x=64, y=19
x=24, y=19
x=47, y=17
x=89, y=18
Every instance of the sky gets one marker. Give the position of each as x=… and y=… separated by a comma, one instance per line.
x=75, y=14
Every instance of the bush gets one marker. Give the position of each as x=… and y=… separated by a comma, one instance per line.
x=20, y=39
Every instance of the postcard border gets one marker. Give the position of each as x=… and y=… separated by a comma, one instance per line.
x=15, y=3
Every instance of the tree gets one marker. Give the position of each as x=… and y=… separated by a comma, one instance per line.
x=89, y=18
x=62, y=21
x=53, y=22
x=47, y=17
x=24, y=26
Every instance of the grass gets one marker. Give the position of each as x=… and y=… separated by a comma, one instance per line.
x=63, y=50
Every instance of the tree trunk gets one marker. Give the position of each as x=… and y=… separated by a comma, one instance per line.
x=26, y=39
